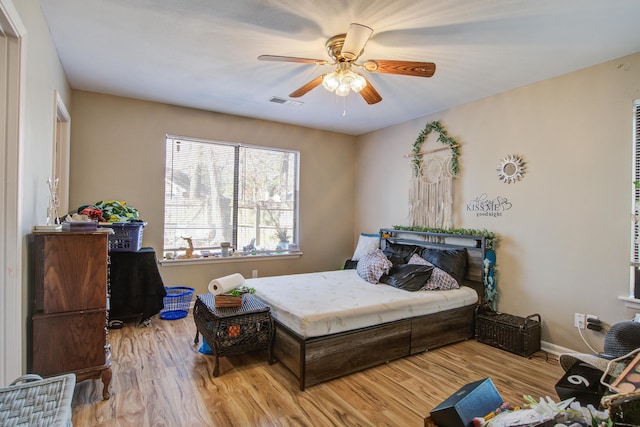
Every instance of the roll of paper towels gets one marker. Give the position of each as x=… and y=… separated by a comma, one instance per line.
x=226, y=283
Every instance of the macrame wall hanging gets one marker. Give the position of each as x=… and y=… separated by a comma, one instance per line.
x=431, y=191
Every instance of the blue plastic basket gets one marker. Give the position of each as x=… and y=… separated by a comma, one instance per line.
x=176, y=303
x=126, y=237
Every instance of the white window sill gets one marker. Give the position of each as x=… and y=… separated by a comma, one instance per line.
x=631, y=302
x=218, y=259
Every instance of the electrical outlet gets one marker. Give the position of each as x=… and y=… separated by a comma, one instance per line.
x=593, y=322
x=254, y=273
x=578, y=321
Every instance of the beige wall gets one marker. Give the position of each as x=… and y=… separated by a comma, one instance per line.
x=565, y=242
x=117, y=152
x=43, y=75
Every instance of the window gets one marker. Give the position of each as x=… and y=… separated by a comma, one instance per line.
x=219, y=192
x=635, y=238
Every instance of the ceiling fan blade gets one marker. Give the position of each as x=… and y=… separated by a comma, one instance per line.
x=292, y=59
x=357, y=37
x=370, y=94
x=306, y=88
x=405, y=68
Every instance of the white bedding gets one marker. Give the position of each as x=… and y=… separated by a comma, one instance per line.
x=316, y=304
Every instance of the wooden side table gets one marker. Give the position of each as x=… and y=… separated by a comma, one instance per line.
x=234, y=330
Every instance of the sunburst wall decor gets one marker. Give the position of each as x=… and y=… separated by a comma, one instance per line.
x=511, y=169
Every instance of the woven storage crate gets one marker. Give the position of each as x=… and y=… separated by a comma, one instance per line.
x=37, y=402
x=126, y=237
x=225, y=300
x=176, y=303
x=519, y=335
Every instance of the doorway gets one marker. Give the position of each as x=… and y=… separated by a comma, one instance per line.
x=12, y=33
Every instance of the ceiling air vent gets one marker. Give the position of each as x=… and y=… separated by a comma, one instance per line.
x=283, y=101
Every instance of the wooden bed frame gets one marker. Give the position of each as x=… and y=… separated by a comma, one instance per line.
x=318, y=359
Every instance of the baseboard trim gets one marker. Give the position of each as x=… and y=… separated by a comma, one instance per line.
x=555, y=349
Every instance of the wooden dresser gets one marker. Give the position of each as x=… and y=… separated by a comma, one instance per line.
x=70, y=307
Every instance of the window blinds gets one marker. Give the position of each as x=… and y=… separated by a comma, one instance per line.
x=223, y=192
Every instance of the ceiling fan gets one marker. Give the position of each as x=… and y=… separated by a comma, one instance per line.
x=345, y=50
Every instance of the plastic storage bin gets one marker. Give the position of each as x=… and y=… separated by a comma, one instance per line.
x=126, y=237
x=176, y=303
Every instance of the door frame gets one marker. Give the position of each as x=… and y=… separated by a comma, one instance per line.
x=12, y=83
x=61, y=151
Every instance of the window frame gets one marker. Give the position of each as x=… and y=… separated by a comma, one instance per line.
x=293, y=252
x=634, y=290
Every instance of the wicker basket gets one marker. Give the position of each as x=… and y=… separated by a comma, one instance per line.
x=624, y=408
x=515, y=334
x=37, y=402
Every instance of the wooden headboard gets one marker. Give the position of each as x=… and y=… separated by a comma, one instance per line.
x=475, y=245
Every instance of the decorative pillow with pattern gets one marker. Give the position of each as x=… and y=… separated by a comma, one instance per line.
x=373, y=265
x=439, y=279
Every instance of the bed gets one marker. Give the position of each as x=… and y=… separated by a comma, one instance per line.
x=330, y=324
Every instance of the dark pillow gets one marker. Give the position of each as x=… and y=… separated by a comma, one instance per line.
x=452, y=261
x=410, y=277
x=398, y=253
x=350, y=264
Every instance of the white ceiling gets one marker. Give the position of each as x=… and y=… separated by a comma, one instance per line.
x=203, y=53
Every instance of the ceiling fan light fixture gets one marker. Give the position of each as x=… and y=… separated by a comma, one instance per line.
x=343, y=90
x=348, y=77
x=359, y=83
x=331, y=81
x=343, y=82
x=357, y=37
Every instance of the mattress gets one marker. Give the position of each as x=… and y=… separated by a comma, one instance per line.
x=329, y=302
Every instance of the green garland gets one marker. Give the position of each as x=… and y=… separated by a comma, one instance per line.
x=443, y=138
x=490, y=236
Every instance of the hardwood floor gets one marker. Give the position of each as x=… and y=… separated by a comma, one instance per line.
x=160, y=379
